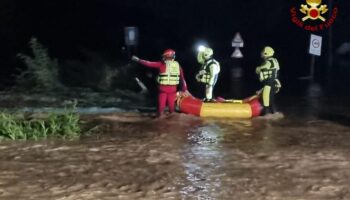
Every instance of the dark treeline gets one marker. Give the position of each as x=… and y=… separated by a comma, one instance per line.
x=67, y=27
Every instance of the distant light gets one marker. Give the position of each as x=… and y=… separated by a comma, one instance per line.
x=201, y=48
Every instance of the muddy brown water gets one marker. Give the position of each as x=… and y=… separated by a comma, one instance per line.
x=306, y=155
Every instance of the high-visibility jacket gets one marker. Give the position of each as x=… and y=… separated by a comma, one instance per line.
x=269, y=70
x=208, y=71
x=162, y=68
x=171, y=76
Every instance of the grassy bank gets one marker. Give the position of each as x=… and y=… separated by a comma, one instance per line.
x=63, y=125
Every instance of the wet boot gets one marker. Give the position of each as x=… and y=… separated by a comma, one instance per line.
x=265, y=111
x=206, y=100
x=209, y=100
x=160, y=115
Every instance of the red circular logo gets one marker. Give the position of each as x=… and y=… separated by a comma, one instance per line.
x=314, y=13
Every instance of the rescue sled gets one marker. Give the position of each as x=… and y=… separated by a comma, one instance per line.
x=240, y=109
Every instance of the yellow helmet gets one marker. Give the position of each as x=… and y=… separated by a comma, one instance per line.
x=200, y=57
x=267, y=52
x=208, y=53
x=204, y=54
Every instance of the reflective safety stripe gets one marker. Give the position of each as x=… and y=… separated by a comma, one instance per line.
x=271, y=71
x=205, y=78
x=267, y=73
x=274, y=63
x=171, y=76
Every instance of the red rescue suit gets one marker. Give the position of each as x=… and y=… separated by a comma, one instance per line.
x=167, y=93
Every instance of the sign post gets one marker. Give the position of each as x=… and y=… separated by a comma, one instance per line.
x=236, y=71
x=315, y=45
x=237, y=42
x=131, y=36
x=314, y=50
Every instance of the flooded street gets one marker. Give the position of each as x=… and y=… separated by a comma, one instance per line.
x=82, y=82
x=305, y=156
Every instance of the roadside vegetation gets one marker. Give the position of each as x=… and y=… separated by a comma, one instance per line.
x=42, y=70
x=44, y=73
x=55, y=125
x=43, y=81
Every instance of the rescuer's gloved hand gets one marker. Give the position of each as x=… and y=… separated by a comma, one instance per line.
x=257, y=70
x=278, y=85
x=198, y=78
x=135, y=58
x=186, y=93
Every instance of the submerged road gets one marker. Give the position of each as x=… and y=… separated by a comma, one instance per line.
x=305, y=156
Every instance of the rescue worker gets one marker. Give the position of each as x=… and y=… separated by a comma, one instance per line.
x=209, y=71
x=268, y=76
x=170, y=76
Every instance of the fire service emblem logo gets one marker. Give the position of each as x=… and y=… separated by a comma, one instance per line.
x=313, y=10
x=313, y=15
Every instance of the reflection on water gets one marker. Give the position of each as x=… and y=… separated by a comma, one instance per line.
x=314, y=90
x=303, y=156
x=202, y=157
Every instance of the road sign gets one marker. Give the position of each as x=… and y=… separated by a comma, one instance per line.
x=237, y=41
x=131, y=35
x=237, y=53
x=315, y=45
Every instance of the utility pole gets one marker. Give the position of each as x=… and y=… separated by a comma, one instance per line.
x=314, y=50
x=330, y=45
x=236, y=71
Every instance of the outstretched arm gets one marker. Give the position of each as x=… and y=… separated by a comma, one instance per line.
x=150, y=64
x=147, y=63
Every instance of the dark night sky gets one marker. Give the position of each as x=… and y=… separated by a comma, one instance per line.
x=67, y=26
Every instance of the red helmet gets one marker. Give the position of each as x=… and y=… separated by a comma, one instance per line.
x=169, y=54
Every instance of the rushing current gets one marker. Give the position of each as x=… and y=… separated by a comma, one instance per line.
x=131, y=155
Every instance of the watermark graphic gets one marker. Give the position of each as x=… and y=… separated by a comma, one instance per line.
x=315, y=11
x=313, y=15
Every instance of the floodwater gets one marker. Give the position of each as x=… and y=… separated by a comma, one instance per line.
x=130, y=155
